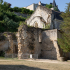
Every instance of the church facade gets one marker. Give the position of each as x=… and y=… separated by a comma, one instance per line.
x=42, y=17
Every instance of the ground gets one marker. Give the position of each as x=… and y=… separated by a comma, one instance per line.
x=15, y=64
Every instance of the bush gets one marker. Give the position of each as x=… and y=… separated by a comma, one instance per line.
x=2, y=53
x=9, y=21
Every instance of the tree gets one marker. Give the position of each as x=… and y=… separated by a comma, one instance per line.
x=9, y=21
x=64, y=42
x=9, y=5
x=49, y=5
x=16, y=9
x=68, y=7
x=5, y=6
x=1, y=1
x=56, y=9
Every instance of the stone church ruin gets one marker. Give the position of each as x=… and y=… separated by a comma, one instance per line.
x=36, y=37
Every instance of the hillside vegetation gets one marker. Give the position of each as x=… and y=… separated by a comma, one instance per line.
x=8, y=20
x=64, y=42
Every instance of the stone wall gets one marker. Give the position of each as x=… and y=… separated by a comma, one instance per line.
x=50, y=49
x=36, y=22
x=48, y=16
x=35, y=6
x=28, y=41
x=32, y=6
x=20, y=14
x=38, y=41
x=8, y=43
x=41, y=12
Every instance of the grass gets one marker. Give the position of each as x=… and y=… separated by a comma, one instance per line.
x=30, y=65
x=15, y=64
x=3, y=58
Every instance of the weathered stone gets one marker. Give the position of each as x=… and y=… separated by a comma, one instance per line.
x=9, y=45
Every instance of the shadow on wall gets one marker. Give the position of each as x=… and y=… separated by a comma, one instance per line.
x=18, y=67
x=48, y=50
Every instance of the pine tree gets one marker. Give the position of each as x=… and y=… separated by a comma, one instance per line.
x=64, y=42
x=68, y=7
x=1, y=1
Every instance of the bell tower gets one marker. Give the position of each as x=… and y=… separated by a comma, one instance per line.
x=54, y=3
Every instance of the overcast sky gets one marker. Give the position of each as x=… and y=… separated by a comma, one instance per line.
x=23, y=3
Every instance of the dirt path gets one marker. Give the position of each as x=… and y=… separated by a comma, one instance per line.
x=47, y=61
x=33, y=65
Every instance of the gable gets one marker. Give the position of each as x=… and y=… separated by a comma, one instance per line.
x=42, y=16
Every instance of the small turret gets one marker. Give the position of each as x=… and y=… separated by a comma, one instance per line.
x=54, y=3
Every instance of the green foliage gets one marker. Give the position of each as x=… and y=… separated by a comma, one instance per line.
x=2, y=53
x=47, y=26
x=49, y=5
x=56, y=9
x=16, y=9
x=28, y=17
x=10, y=9
x=9, y=21
x=6, y=7
x=1, y=1
x=68, y=7
x=22, y=22
x=21, y=10
x=26, y=11
x=64, y=42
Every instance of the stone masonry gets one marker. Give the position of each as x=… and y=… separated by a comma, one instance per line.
x=28, y=41
x=38, y=41
x=8, y=43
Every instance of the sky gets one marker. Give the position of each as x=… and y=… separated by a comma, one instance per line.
x=23, y=3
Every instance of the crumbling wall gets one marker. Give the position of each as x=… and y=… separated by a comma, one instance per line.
x=40, y=12
x=28, y=41
x=38, y=41
x=8, y=42
x=50, y=48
